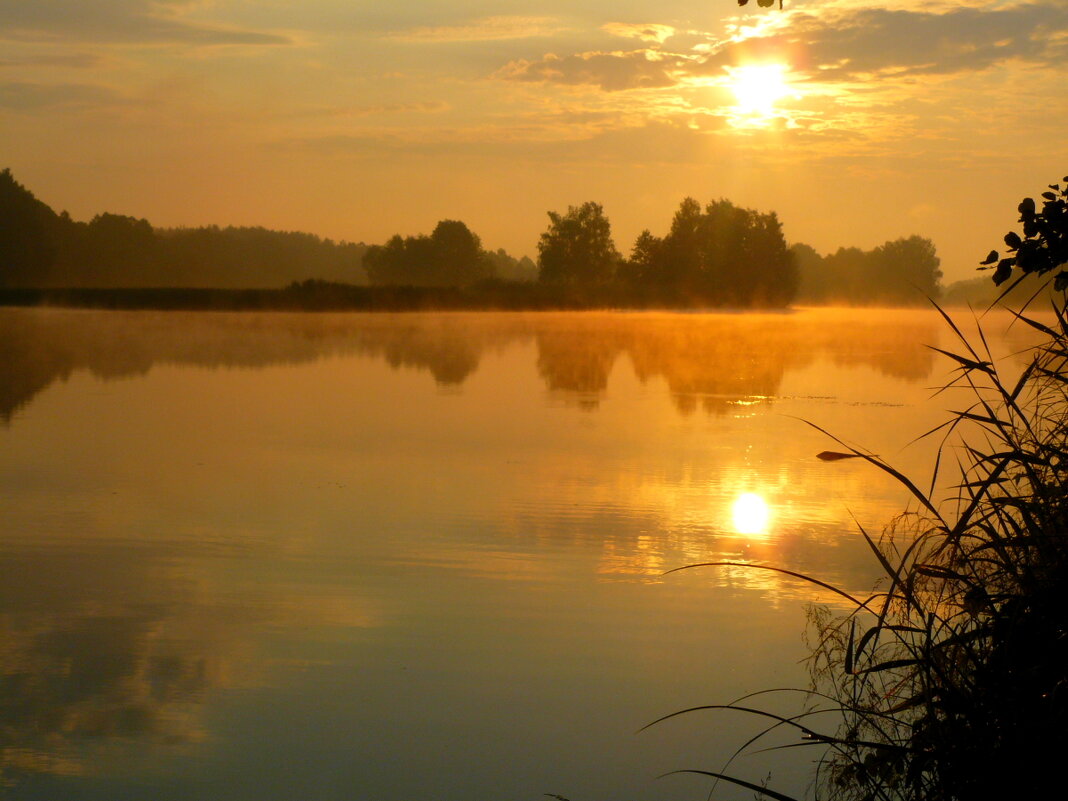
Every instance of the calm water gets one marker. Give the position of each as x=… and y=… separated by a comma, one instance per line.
x=402, y=557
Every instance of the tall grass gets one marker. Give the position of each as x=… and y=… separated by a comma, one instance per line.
x=950, y=681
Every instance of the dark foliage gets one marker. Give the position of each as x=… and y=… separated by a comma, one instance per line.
x=509, y=268
x=900, y=272
x=577, y=248
x=39, y=248
x=27, y=234
x=450, y=256
x=316, y=295
x=1044, y=244
x=720, y=255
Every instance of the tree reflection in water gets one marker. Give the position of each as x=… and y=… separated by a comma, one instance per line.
x=707, y=360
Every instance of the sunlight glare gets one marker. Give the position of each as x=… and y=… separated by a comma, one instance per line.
x=750, y=514
x=758, y=87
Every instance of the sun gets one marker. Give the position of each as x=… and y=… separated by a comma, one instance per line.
x=758, y=87
x=750, y=514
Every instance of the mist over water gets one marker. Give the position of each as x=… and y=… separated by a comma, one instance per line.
x=420, y=555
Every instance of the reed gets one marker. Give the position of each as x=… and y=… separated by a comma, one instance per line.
x=950, y=681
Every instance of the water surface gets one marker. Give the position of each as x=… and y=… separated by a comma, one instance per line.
x=413, y=556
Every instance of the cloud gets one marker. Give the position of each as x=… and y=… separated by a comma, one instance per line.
x=72, y=60
x=861, y=43
x=31, y=96
x=636, y=69
x=428, y=107
x=425, y=107
x=834, y=44
x=648, y=142
x=119, y=21
x=651, y=32
x=483, y=30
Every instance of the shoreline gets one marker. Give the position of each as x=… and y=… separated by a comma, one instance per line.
x=329, y=297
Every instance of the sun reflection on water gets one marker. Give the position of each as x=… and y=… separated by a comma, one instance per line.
x=750, y=514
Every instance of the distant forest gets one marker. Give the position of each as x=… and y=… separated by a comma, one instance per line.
x=902, y=272
x=40, y=248
x=718, y=254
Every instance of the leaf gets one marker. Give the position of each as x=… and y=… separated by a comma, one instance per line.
x=849, y=647
x=1012, y=239
x=1004, y=270
x=991, y=258
x=1049, y=196
x=890, y=664
x=939, y=572
x=1029, y=258
x=965, y=362
x=1027, y=207
x=909, y=703
x=834, y=456
x=752, y=566
x=976, y=601
x=742, y=2
x=1060, y=281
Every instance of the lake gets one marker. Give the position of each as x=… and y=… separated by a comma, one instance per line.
x=422, y=556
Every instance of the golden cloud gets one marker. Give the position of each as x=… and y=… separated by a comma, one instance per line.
x=650, y=32
x=483, y=30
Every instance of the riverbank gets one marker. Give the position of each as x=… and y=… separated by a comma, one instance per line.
x=327, y=296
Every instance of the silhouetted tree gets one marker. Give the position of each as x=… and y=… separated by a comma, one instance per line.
x=911, y=262
x=459, y=253
x=681, y=251
x=812, y=278
x=125, y=245
x=903, y=271
x=450, y=256
x=770, y=278
x=719, y=255
x=243, y=257
x=509, y=268
x=1044, y=245
x=849, y=276
x=42, y=249
x=645, y=260
x=577, y=248
x=27, y=234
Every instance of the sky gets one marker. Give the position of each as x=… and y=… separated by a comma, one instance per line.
x=857, y=121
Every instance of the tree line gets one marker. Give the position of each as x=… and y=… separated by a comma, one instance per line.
x=717, y=254
x=451, y=256
x=902, y=272
x=40, y=248
x=724, y=255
